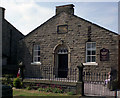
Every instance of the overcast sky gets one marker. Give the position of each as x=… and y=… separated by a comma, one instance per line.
x=26, y=16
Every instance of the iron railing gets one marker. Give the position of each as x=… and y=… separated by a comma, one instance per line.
x=52, y=73
x=94, y=76
x=68, y=74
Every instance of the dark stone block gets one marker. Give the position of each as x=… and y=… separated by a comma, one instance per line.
x=7, y=91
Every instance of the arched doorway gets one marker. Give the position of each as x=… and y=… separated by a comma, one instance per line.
x=61, y=61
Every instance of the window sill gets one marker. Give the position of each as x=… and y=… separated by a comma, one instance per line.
x=90, y=63
x=36, y=63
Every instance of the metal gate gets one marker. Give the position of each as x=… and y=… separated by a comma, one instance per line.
x=94, y=82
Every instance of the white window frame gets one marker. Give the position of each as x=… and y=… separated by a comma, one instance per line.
x=36, y=49
x=91, y=54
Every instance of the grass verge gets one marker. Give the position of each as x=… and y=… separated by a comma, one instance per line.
x=25, y=92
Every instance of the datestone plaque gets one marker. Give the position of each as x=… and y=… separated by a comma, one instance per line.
x=62, y=29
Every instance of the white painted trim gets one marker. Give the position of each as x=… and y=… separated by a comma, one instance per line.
x=36, y=63
x=90, y=63
x=91, y=49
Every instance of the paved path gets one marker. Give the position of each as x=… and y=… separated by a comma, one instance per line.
x=97, y=89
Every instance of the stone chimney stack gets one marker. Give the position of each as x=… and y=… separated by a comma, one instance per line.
x=2, y=12
x=65, y=8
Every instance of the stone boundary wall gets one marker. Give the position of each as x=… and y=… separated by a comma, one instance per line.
x=75, y=87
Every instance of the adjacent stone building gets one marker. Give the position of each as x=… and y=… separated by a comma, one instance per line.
x=65, y=41
x=10, y=38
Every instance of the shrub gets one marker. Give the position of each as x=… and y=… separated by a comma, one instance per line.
x=41, y=89
x=52, y=88
x=28, y=88
x=17, y=83
x=47, y=89
x=57, y=90
x=70, y=93
x=60, y=91
x=8, y=75
x=7, y=81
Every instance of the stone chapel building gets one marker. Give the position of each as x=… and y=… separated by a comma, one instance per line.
x=65, y=41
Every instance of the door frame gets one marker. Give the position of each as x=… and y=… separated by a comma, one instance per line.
x=55, y=57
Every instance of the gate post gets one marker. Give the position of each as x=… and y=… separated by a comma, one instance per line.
x=80, y=83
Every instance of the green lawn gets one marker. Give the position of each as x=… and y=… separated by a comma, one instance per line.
x=24, y=92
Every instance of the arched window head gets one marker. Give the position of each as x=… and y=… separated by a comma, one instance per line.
x=61, y=49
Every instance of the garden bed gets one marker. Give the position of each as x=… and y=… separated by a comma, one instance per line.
x=73, y=87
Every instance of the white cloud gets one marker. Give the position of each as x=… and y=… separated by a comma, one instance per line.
x=26, y=16
x=64, y=0
x=103, y=14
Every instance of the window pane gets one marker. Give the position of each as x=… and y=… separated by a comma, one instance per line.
x=35, y=53
x=93, y=52
x=38, y=59
x=88, y=45
x=38, y=53
x=88, y=52
x=93, y=58
x=94, y=46
x=88, y=58
x=35, y=47
x=35, y=59
x=38, y=47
